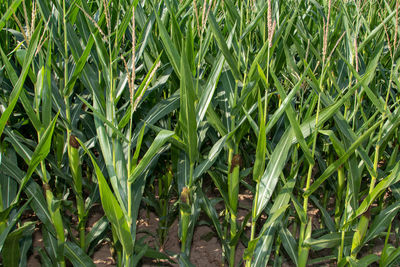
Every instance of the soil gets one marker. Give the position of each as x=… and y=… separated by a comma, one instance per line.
x=205, y=250
x=101, y=257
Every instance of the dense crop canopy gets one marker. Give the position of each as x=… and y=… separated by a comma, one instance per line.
x=179, y=109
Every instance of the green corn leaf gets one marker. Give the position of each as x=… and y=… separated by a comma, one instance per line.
x=45, y=260
x=20, y=83
x=292, y=116
x=212, y=214
x=47, y=94
x=258, y=60
x=254, y=21
x=289, y=243
x=215, y=121
x=11, y=251
x=160, y=110
x=378, y=102
x=139, y=92
x=50, y=243
x=32, y=190
x=392, y=178
x=187, y=116
x=279, y=155
x=22, y=97
x=232, y=9
x=325, y=215
x=365, y=261
x=26, y=244
x=249, y=252
x=122, y=27
x=103, y=55
x=149, y=252
x=97, y=230
x=138, y=146
x=111, y=207
x=392, y=257
x=259, y=163
x=170, y=49
x=101, y=117
x=339, y=148
x=212, y=157
x=40, y=153
x=105, y=145
x=8, y=189
x=270, y=177
x=184, y=260
x=328, y=241
x=334, y=166
x=374, y=32
x=381, y=221
x=222, y=188
x=76, y=255
x=284, y=105
x=368, y=260
x=223, y=46
x=340, y=120
x=11, y=224
x=263, y=248
x=321, y=260
x=208, y=91
x=11, y=10
x=79, y=67
x=161, y=138
x=299, y=209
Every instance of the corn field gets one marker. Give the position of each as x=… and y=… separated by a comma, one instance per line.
x=176, y=108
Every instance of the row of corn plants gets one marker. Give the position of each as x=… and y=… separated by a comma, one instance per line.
x=151, y=105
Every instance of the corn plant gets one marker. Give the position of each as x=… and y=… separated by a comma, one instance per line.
x=150, y=105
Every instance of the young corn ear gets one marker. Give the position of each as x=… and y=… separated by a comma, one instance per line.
x=359, y=234
x=184, y=217
x=54, y=209
x=76, y=171
x=339, y=195
x=303, y=249
x=233, y=194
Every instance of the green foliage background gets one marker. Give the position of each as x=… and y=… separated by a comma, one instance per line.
x=152, y=104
